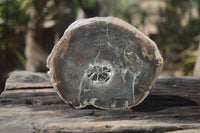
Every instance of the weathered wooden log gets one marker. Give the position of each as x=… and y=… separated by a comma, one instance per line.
x=173, y=105
x=104, y=62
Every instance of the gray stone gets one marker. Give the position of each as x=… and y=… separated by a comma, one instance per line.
x=104, y=62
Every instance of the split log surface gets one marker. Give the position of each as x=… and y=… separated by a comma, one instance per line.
x=30, y=104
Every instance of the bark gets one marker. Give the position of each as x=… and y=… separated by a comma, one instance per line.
x=35, y=54
x=40, y=38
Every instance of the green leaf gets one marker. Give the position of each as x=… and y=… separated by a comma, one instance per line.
x=20, y=57
x=90, y=3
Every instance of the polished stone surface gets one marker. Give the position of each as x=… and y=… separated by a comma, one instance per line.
x=104, y=62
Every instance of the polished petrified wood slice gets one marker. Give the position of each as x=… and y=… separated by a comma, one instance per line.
x=104, y=62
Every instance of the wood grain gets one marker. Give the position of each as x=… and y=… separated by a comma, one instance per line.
x=26, y=106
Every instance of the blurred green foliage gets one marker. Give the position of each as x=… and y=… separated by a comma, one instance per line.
x=177, y=42
x=12, y=12
x=126, y=8
x=12, y=16
x=189, y=61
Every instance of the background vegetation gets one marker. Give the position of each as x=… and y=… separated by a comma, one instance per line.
x=173, y=24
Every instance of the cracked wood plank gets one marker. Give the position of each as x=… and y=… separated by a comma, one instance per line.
x=27, y=80
x=172, y=106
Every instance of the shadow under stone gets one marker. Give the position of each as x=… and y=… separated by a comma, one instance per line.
x=160, y=102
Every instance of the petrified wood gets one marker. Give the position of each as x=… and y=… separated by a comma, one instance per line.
x=104, y=62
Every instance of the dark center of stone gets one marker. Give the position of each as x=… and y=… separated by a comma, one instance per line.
x=99, y=73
